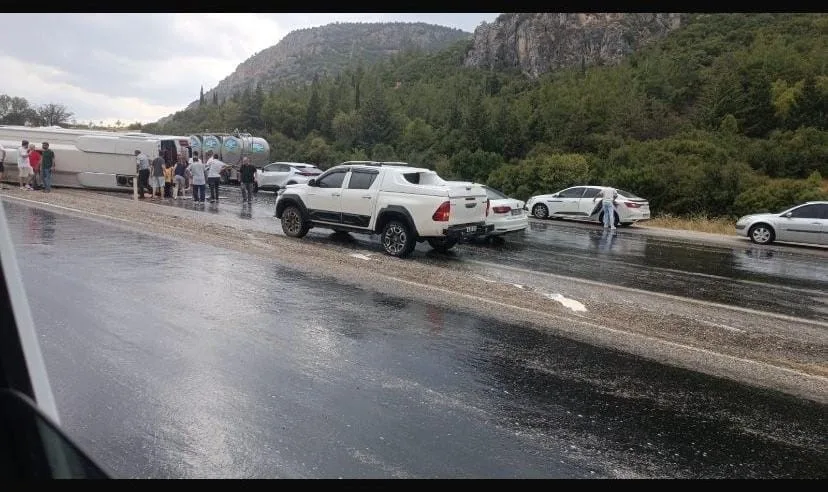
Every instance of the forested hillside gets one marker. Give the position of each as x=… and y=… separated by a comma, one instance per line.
x=725, y=115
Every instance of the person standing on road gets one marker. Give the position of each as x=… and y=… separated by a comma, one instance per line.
x=142, y=165
x=247, y=174
x=24, y=169
x=46, y=165
x=607, y=196
x=34, y=162
x=179, y=178
x=196, y=170
x=157, y=176
x=168, y=179
x=2, y=168
x=214, y=169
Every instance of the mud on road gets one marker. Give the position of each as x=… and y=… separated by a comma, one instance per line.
x=767, y=350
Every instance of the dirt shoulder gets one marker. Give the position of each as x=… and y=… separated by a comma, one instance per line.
x=780, y=354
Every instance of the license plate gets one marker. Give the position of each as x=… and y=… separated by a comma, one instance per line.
x=471, y=228
x=517, y=211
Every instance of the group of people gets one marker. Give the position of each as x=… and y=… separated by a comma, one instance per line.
x=170, y=180
x=34, y=166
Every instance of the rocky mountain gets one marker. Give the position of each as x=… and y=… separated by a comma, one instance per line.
x=331, y=48
x=537, y=43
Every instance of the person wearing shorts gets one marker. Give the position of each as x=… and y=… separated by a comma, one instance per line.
x=24, y=170
x=179, y=178
x=157, y=177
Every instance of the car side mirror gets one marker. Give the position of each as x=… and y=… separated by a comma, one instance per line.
x=788, y=215
x=312, y=182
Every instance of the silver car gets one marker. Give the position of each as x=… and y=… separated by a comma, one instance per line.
x=280, y=174
x=805, y=223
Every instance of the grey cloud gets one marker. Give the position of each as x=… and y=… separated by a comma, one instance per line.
x=71, y=41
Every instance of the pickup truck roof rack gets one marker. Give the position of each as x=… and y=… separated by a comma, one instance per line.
x=374, y=163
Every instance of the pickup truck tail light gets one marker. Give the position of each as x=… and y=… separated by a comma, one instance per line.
x=502, y=210
x=442, y=213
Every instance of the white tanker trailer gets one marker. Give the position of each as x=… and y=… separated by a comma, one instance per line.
x=231, y=148
x=89, y=158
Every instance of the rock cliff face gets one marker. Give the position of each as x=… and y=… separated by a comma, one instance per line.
x=329, y=49
x=542, y=42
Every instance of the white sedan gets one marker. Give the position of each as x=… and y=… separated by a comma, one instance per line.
x=578, y=202
x=280, y=174
x=805, y=223
x=506, y=214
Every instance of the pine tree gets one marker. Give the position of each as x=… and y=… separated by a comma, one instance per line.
x=314, y=110
x=215, y=98
x=201, y=97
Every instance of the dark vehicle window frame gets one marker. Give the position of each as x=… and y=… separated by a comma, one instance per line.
x=321, y=181
x=32, y=444
x=361, y=174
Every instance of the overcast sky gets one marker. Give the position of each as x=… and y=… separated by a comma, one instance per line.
x=140, y=67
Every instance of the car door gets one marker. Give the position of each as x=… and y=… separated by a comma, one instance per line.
x=588, y=205
x=266, y=175
x=281, y=174
x=802, y=225
x=324, y=198
x=568, y=201
x=823, y=237
x=359, y=197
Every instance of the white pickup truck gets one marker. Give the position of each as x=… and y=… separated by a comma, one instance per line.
x=403, y=204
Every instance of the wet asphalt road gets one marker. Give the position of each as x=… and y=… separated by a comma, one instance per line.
x=783, y=279
x=173, y=360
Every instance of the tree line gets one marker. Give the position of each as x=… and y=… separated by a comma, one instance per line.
x=18, y=111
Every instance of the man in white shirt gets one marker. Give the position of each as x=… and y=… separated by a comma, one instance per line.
x=607, y=196
x=214, y=169
x=196, y=172
x=24, y=169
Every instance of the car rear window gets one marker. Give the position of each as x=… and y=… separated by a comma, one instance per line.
x=627, y=194
x=494, y=194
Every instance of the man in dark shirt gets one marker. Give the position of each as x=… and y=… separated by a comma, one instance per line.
x=247, y=174
x=157, y=176
x=47, y=163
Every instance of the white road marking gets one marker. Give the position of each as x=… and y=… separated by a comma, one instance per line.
x=360, y=256
x=755, y=312
x=567, y=302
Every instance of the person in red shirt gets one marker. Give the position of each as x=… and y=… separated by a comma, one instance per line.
x=34, y=161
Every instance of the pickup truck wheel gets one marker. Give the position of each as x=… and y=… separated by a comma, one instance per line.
x=441, y=244
x=293, y=223
x=397, y=239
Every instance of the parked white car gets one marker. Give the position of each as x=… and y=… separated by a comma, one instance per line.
x=506, y=215
x=805, y=223
x=277, y=175
x=578, y=202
